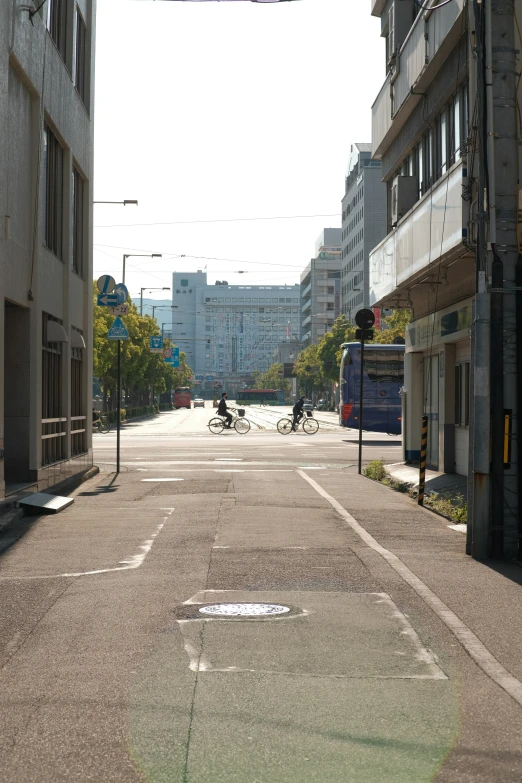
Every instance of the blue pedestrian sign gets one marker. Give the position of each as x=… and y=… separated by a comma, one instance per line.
x=108, y=300
x=118, y=331
x=156, y=344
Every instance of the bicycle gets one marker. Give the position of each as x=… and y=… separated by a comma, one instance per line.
x=308, y=424
x=101, y=424
x=239, y=423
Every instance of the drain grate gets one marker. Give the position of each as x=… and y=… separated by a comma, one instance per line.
x=244, y=610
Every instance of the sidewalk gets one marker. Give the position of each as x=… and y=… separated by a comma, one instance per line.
x=450, y=483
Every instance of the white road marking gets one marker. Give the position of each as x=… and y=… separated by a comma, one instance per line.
x=471, y=643
x=155, y=480
x=134, y=561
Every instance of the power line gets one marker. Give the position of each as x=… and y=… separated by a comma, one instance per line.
x=216, y=220
x=203, y=258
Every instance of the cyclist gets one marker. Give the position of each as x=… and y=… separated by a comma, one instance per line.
x=298, y=413
x=223, y=411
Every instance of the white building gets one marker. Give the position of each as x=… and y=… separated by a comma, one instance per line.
x=426, y=262
x=364, y=225
x=229, y=331
x=320, y=290
x=46, y=159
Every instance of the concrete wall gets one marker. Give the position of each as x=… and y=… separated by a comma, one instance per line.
x=36, y=86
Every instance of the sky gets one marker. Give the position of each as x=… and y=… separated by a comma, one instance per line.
x=231, y=124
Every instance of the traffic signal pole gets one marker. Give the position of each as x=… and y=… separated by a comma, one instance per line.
x=361, y=385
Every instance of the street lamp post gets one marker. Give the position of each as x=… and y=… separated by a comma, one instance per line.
x=124, y=202
x=159, y=307
x=178, y=323
x=165, y=288
x=138, y=255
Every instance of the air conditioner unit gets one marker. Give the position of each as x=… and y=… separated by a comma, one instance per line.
x=403, y=196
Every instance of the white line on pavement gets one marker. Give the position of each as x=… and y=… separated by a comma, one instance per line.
x=471, y=643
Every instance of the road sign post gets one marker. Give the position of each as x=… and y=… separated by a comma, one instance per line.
x=364, y=319
x=118, y=331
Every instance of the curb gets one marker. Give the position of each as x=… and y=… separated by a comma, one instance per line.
x=65, y=487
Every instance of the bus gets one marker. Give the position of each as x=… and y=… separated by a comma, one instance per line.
x=382, y=389
x=181, y=397
x=260, y=397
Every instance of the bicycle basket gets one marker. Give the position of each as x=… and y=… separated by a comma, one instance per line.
x=309, y=414
x=240, y=411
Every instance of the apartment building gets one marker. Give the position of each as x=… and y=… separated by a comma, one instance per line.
x=363, y=227
x=46, y=155
x=229, y=331
x=421, y=135
x=321, y=287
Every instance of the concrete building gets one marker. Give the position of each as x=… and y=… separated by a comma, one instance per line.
x=229, y=331
x=421, y=133
x=46, y=155
x=320, y=291
x=363, y=227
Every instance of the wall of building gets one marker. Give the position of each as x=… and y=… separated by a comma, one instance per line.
x=39, y=88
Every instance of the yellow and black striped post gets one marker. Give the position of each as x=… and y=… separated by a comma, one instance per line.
x=423, y=449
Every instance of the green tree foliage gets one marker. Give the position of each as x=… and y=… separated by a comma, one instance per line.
x=140, y=369
x=395, y=326
x=329, y=348
x=272, y=379
x=308, y=370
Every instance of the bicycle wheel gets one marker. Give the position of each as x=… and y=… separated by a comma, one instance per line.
x=216, y=426
x=242, y=426
x=310, y=426
x=104, y=426
x=284, y=426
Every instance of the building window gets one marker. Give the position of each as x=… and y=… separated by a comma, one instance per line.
x=462, y=394
x=56, y=23
x=53, y=163
x=78, y=207
x=53, y=424
x=79, y=415
x=80, y=57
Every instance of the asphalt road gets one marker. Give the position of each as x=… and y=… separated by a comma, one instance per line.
x=386, y=653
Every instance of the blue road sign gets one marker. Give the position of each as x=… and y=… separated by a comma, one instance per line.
x=156, y=344
x=105, y=284
x=108, y=300
x=118, y=331
x=174, y=359
x=210, y=378
x=122, y=292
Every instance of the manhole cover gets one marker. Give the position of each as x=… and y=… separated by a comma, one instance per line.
x=244, y=610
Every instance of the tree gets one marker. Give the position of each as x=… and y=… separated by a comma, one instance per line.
x=272, y=379
x=308, y=370
x=396, y=324
x=329, y=347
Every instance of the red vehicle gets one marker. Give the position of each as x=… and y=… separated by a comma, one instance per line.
x=181, y=397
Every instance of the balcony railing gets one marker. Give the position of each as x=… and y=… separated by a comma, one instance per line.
x=432, y=36
x=434, y=228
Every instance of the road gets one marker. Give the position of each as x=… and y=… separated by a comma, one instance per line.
x=386, y=654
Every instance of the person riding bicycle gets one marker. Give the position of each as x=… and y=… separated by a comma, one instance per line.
x=297, y=410
x=223, y=411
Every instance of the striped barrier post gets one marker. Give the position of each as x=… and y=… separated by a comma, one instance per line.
x=423, y=449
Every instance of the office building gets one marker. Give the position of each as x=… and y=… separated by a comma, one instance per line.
x=229, y=331
x=363, y=226
x=46, y=155
x=320, y=288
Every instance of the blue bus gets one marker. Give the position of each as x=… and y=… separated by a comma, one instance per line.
x=383, y=381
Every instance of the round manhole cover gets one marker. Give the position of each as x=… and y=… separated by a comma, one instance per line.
x=244, y=610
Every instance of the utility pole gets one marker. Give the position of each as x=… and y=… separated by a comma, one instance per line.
x=495, y=506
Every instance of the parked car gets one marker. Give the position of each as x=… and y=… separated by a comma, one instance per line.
x=322, y=405
x=199, y=402
x=308, y=405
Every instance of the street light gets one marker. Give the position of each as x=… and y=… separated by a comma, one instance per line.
x=124, y=202
x=165, y=288
x=138, y=255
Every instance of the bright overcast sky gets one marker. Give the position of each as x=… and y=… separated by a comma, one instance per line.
x=217, y=111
